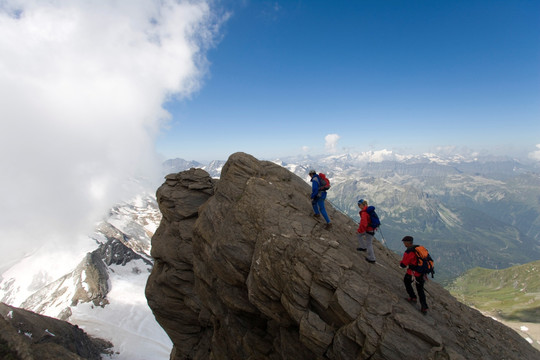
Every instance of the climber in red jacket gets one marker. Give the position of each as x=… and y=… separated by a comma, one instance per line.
x=410, y=260
x=365, y=232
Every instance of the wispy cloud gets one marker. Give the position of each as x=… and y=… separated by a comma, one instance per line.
x=330, y=142
x=82, y=86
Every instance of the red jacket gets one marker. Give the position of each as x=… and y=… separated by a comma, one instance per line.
x=409, y=258
x=364, y=223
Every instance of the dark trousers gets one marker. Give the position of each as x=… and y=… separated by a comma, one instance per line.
x=408, y=280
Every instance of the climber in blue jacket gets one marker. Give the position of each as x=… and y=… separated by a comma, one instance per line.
x=318, y=196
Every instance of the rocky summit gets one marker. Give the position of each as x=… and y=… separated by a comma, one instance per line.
x=244, y=271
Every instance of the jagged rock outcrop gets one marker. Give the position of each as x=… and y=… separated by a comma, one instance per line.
x=28, y=336
x=243, y=271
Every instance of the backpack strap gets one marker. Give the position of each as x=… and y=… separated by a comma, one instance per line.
x=410, y=249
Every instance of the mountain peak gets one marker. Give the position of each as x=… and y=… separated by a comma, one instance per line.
x=242, y=270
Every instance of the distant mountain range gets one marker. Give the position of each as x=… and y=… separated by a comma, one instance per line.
x=469, y=211
x=176, y=165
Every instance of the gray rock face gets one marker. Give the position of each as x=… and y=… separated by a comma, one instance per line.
x=243, y=271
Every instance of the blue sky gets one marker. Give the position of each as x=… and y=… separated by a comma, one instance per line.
x=84, y=85
x=409, y=76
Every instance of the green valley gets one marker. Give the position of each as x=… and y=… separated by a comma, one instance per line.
x=513, y=293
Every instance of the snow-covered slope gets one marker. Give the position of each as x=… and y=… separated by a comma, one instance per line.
x=101, y=286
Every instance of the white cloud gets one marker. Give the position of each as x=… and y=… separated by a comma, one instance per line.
x=331, y=142
x=82, y=85
x=535, y=155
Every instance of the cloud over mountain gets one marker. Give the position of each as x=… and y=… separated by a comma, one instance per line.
x=82, y=87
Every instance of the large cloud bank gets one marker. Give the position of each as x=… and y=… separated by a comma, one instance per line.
x=82, y=84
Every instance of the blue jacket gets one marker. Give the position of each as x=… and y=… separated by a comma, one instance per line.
x=315, y=184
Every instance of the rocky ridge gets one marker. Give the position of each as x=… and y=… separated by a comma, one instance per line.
x=242, y=271
x=26, y=335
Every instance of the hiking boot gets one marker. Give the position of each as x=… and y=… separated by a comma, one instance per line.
x=316, y=216
x=328, y=226
x=361, y=249
x=370, y=261
x=412, y=300
x=423, y=310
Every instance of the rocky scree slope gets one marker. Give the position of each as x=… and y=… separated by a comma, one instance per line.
x=243, y=271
